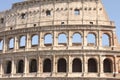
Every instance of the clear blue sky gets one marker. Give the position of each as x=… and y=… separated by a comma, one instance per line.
x=112, y=7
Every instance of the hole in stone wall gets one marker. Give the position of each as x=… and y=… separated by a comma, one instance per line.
x=91, y=22
x=35, y=25
x=62, y=23
x=77, y=12
x=23, y=15
x=48, y=13
x=94, y=9
x=100, y=9
x=11, y=28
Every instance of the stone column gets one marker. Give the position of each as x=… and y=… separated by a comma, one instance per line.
x=39, y=64
x=41, y=39
x=1, y=68
x=28, y=41
x=54, y=66
x=5, y=45
x=84, y=39
x=55, y=39
x=69, y=65
x=111, y=41
x=115, y=66
x=100, y=66
x=16, y=43
x=69, y=39
x=99, y=39
x=118, y=66
x=41, y=68
x=13, y=71
x=115, y=40
x=26, y=67
x=85, y=69
x=39, y=43
x=38, y=39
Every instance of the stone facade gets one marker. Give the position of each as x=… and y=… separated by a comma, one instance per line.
x=31, y=47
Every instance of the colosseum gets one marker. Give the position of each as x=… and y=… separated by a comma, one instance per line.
x=58, y=40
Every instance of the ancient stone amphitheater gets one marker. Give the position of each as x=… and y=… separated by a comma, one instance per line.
x=58, y=40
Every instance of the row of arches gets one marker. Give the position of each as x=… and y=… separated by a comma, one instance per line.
x=77, y=38
x=77, y=66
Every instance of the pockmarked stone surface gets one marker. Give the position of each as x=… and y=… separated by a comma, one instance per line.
x=58, y=40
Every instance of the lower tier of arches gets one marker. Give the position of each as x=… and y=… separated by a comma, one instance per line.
x=60, y=64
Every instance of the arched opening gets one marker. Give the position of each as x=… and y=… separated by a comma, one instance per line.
x=20, y=66
x=119, y=66
x=35, y=40
x=23, y=16
x=1, y=45
x=92, y=65
x=33, y=66
x=76, y=39
x=11, y=43
x=48, y=40
x=48, y=13
x=91, y=39
x=107, y=65
x=77, y=12
x=62, y=65
x=77, y=65
x=62, y=39
x=47, y=65
x=105, y=40
x=2, y=20
x=22, y=41
x=8, y=67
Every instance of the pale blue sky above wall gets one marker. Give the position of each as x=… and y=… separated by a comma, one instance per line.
x=112, y=7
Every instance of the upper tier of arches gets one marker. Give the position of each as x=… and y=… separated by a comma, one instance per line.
x=76, y=39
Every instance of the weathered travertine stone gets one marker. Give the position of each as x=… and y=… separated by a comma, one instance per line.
x=50, y=59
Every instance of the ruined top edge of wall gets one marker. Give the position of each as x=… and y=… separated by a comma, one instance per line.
x=27, y=2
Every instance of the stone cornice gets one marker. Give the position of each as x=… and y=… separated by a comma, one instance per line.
x=57, y=28
x=65, y=52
